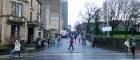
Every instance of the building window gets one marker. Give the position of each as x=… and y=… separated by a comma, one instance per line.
x=19, y=10
x=16, y=9
x=13, y=8
x=31, y=3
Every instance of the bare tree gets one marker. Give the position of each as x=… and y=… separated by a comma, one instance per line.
x=97, y=16
x=122, y=10
x=130, y=12
x=115, y=16
x=90, y=12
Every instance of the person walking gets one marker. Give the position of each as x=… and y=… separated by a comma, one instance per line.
x=71, y=43
x=59, y=40
x=17, y=48
x=75, y=37
x=84, y=39
x=127, y=45
x=133, y=46
x=80, y=38
x=11, y=45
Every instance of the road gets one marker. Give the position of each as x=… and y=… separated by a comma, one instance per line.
x=80, y=52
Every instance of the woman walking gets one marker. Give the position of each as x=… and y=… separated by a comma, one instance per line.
x=71, y=43
x=17, y=48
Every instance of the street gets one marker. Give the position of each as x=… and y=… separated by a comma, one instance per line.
x=80, y=52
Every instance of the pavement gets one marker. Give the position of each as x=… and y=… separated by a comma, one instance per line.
x=80, y=52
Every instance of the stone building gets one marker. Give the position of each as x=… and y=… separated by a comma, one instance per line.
x=52, y=18
x=19, y=19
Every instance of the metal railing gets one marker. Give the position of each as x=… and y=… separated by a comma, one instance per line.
x=35, y=23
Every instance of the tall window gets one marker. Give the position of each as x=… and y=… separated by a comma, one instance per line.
x=1, y=4
x=16, y=9
x=31, y=3
x=13, y=8
x=19, y=10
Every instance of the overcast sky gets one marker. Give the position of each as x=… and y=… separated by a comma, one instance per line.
x=74, y=8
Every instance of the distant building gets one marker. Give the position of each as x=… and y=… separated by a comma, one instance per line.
x=51, y=18
x=69, y=27
x=51, y=15
x=64, y=12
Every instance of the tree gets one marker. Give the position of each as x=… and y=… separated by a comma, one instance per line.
x=114, y=15
x=120, y=11
x=96, y=16
x=91, y=11
x=130, y=10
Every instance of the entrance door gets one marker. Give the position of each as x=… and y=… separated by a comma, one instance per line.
x=15, y=31
x=30, y=34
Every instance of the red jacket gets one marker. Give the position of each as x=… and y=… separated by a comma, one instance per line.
x=71, y=40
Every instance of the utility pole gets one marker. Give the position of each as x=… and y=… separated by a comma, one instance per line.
x=59, y=15
x=108, y=35
x=39, y=18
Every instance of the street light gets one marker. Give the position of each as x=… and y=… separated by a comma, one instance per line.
x=107, y=19
x=59, y=15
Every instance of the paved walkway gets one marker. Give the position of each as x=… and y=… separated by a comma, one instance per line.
x=81, y=52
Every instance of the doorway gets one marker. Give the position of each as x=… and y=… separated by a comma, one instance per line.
x=15, y=32
x=30, y=35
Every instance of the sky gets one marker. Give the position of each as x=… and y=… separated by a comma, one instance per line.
x=74, y=8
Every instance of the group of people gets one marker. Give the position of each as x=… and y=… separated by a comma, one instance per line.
x=130, y=45
x=15, y=48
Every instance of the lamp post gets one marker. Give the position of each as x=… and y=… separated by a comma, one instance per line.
x=39, y=18
x=59, y=15
x=108, y=18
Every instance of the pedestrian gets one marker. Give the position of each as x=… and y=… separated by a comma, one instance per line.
x=43, y=42
x=133, y=46
x=127, y=45
x=79, y=38
x=17, y=49
x=71, y=43
x=83, y=39
x=49, y=41
x=38, y=42
x=75, y=37
x=59, y=39
x=11, y=46
x=49, y=38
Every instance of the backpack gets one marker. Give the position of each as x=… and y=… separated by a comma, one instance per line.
x=133, y=44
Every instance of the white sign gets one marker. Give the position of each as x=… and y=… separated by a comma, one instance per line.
x=106, y=28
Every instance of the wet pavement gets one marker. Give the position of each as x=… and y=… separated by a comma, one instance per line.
x=80, y=52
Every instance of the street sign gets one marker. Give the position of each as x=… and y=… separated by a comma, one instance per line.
x=104, y=29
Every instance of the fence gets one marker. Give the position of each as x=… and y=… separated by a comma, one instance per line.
x=110, y=43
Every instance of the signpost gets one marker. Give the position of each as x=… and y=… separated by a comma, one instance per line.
x=106, y=29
